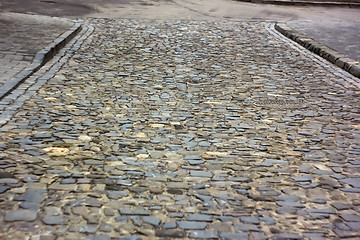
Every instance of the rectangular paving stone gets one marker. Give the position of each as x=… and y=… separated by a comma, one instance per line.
x=205, y=174
x=188, y=225
x=170, y=233
x=350, y=217
x=177, y=185
x=152, y=220
x=63, y=187
x=203, y=234
x=199, y=217
x=134, y=212
x=20, y=215
x=233, y=236
x=246, y=227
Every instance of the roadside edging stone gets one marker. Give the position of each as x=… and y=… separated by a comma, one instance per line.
x=348, y=64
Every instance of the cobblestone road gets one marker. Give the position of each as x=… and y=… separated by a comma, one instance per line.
x=184, y=129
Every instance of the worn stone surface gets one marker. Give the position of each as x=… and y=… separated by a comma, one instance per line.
x=184, y=129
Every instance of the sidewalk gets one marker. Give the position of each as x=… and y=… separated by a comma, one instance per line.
x=319, y=3
x=27, y=41
x=337, y=42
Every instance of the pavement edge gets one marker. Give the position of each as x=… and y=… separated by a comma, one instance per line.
x=348, y=64
x=41, y=57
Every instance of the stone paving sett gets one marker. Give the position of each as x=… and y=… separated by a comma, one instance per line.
x=183, y=129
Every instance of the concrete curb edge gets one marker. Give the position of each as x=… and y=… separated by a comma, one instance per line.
x=41, y=57
x=348, y=64
x=305, y=3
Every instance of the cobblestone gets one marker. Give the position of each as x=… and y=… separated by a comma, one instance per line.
x=184, y=129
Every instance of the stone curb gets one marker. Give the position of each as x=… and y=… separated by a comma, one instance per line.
x=305, y=3
x=41, y=57
x=348, y=64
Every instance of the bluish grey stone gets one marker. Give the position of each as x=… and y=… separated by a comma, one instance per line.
x=268, y=220
x=287, y=236
x=303, y=178
x=246, y=228
x=287, y=198
x=88, y=228
x=324, y=211
x=53, y=220
x=347, y=234
x=204, y=198
x=177, y=185
x=121, y=219
x=192, y=157
x=4, y=189
x=170, y=233
x=152, y=220
x=117, y=194
x=199, y=217
x=354, y=225
x=169, y=225
x=191, y=225
x=20, y=215
x=134, y=212
x=126, y=182
x=233, y=236
x=290, y=204
x=204, y=234
x=136, y=220
x=98, y=237
x=341, y=206
x=68, y=181
x=131, y=237
x=226, y=218
x=350, y=217
x=250, y=219
x=176, y=215
x=196, y=162
x=104, y=227
x=239, y=179
x=30, y=205
x=8, y=181
x=271, y=162
x=354, y=182
x=195, y=173
x=31, y=195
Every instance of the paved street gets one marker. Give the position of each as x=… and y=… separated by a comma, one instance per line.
x=161, y=129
